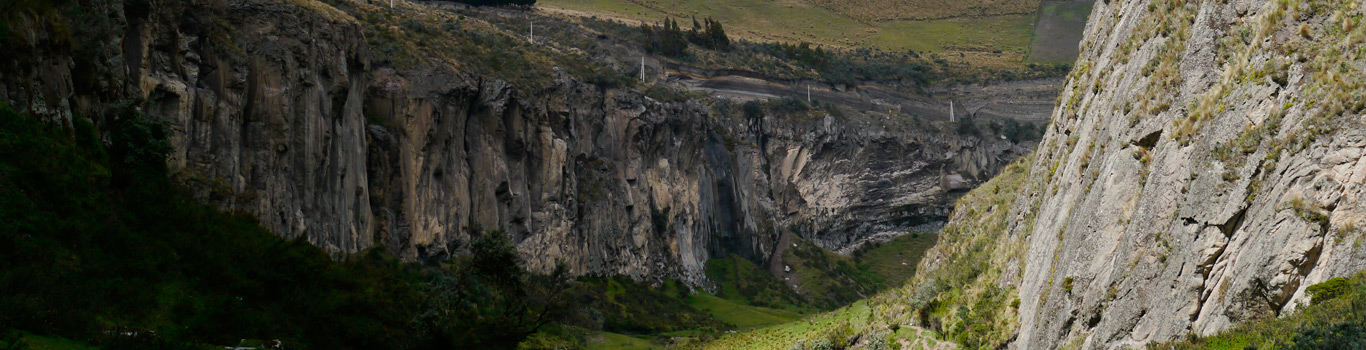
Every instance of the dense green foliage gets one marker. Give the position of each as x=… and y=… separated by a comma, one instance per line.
x=744, y=282
x=88, y=245
x=710, y=35
x=1332, y=288
x=665, y=39
x=95, y=243
x=670, y=40
x=1335, y=320
x=96, y=240
x=827, y=279
x=625, y=306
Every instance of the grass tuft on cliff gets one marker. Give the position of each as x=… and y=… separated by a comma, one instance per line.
x=1336, y=319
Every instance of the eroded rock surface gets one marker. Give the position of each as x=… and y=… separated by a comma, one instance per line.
x=279, y=109
x=1204, y=166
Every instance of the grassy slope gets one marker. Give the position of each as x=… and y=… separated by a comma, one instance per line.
x=957, y=293
x=799, y=21
x=1335, y=323
x=633, y=307
x=892, y=263
x=827, y=279
x=973, y=235
x=743, y=316
x=35, y=342
x=608, y=340
x=853, y=324
x=885, y=10
x=783, y=335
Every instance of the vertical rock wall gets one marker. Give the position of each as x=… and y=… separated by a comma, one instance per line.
x=278, y=110
x=1204, y=167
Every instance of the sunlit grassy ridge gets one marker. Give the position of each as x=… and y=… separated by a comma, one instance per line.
x=839, y=322
x=856, y=326
x=741, y=315
x=957, y=292
x=801, y=21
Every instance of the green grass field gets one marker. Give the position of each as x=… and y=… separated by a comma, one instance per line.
x=34, y=342
x=781, y=336
x=607, y=340
x=894, y=262
x=741, y=315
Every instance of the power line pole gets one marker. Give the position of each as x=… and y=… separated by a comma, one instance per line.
x=642, y=68
x=531, y=36
x=950, y=110
x=808, y=93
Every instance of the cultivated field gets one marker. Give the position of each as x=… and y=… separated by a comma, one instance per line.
x=885, y=10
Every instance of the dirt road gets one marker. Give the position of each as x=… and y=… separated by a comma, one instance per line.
x=1029, y=101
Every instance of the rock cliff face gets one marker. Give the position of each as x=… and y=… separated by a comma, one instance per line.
x=1204, y=166
x=278, y=109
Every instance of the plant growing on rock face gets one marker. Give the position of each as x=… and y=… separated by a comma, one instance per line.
x=1309, y=212
x=1332, y=288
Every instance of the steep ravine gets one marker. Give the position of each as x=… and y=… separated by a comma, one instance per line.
x=1204, y=166
x=281, y=109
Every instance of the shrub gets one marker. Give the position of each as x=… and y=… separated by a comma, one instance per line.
x=1332, y=288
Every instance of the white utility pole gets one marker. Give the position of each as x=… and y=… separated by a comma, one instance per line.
x=642, y=68
x=950, y=110
x=531, y=36
x=808, y=93
x=391, y=3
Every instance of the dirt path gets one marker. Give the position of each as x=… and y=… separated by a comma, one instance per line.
x=925, y=341
x=777, y=267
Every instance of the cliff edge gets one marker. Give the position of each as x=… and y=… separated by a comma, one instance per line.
x=1203, y=167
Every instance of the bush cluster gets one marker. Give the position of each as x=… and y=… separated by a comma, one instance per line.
x=669, y=39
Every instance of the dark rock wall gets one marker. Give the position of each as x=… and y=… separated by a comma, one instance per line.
x=278, y=110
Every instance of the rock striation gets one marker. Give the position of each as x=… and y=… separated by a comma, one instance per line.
x=281, y=109
x=1204, y=166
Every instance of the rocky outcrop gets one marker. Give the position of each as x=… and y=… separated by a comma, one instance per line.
x=1203, y=168
x=279, y=109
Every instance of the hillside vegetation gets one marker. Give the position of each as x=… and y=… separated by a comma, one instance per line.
x=989, y=34
x=801, y=21
x=1335, y=319
x=98, y=246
